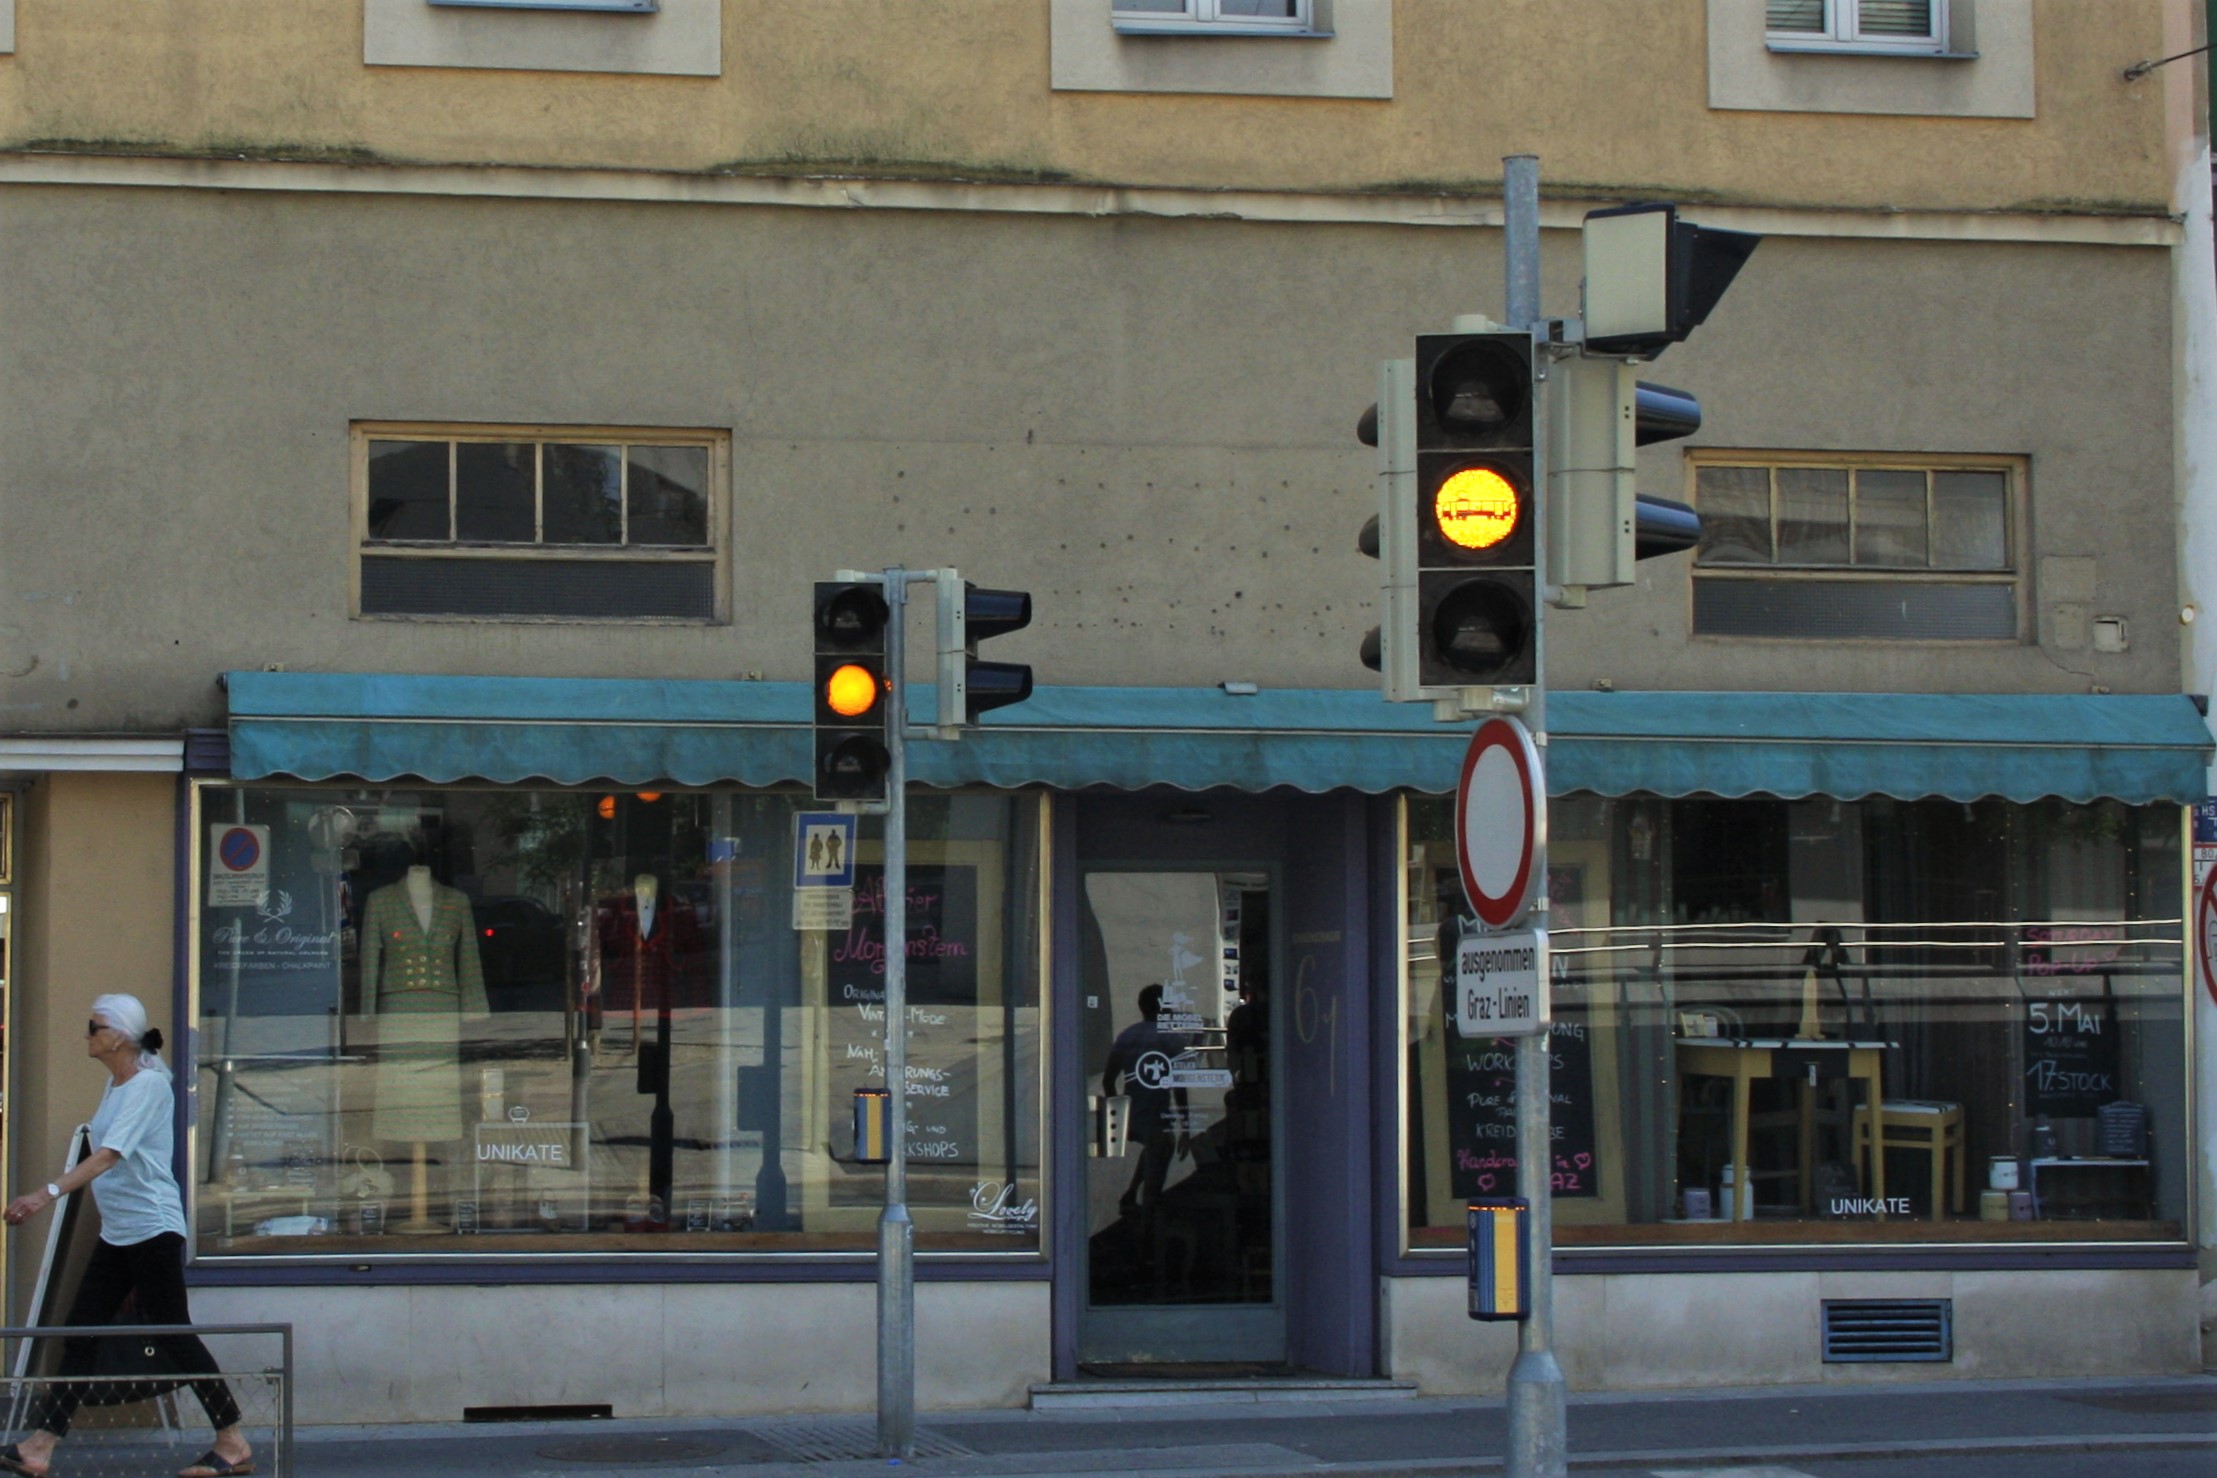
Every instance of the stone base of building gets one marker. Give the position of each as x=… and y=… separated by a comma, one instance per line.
x=424, y=1354
x=1648, y=1331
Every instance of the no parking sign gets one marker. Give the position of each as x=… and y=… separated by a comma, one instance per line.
x=238, y=864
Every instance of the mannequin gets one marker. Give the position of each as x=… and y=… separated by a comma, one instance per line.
x=652, y=958
x=420, y=975
x=651, y=953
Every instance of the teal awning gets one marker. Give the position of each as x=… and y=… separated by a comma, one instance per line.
x=575, y=731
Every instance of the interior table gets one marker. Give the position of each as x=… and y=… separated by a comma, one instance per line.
x=1806, y=1061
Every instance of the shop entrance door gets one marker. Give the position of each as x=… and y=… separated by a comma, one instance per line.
x=1184, y=1260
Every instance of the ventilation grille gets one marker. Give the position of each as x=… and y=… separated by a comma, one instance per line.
x=1902, y=1329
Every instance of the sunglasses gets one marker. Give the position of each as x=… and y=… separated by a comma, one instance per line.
x=95, y=1027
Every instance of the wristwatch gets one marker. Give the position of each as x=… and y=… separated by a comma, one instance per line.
x=53, y=1191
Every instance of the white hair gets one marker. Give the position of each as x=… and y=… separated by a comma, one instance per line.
x=127, y=1014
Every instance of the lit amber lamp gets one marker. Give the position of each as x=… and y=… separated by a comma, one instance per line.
x=1476, y=508
x=850, y=690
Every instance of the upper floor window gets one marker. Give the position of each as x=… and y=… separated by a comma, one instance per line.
x=583, y=523
x=638, y=6
x=1240, y=17
x=1830, y=548
x=1918, y=26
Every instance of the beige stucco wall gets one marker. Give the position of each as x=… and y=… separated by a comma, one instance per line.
x=95, y=912
x=1117, y=414
x=1609, y=92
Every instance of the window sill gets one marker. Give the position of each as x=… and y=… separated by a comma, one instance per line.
x=1911, y=53
x=1278, y=33
x=609, y=7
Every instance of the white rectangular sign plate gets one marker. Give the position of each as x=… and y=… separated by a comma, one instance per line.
x=1501, y=984
x=823, y=909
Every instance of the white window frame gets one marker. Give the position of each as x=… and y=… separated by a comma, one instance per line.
x=1206, y=18
x=1843, y=33
x=626, y=7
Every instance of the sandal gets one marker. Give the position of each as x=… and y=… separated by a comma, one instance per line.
x=11, y=1460
x=209, y=1465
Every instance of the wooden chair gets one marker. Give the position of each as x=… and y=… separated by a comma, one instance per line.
x=1917, y=1124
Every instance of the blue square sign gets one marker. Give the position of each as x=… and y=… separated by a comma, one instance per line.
x=823, y=850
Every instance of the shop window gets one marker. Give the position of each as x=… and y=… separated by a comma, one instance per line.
x=516, y=523
x=1815, y=549
x=500, y=1022
x=2005, y=983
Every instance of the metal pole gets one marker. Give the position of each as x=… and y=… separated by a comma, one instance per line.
x=1520, y=221
x=896, y=1233
x=1538, y=1442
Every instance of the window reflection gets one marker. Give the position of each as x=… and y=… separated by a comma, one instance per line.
x=1826, y=1021
x=480, y=1020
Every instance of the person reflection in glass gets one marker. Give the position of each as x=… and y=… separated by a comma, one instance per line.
x=1139, y=1067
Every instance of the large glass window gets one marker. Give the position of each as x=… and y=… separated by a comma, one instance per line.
x=1823, y=1021
x=477, y=1020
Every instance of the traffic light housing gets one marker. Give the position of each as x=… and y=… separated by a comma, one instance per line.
x=1389, y=535
x=968, y=615
x=853, y=693
x=1473, y=506
x=1598, y=524
x=1652, y=279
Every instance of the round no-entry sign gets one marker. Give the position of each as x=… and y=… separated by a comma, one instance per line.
x=1500, y=821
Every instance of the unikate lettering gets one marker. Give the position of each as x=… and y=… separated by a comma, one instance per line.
x=1870, y=1206
x=549, y=1153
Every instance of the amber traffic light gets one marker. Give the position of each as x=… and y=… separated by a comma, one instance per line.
x=853, y=692
x=1477, y=608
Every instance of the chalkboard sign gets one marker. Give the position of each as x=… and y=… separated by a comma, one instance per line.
x=1481, y=1112
x=943, y=1026
x=2071, y=1054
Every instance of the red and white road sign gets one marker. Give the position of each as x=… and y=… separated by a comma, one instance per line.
x=1500, y=821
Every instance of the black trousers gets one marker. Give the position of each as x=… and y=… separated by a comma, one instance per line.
x=155, y=1271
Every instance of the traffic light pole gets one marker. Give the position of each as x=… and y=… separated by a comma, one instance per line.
x=1538, y=1441
x=847, y=772
x=896, y=1231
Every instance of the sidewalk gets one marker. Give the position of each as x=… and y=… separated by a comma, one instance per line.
x=1416, y=1437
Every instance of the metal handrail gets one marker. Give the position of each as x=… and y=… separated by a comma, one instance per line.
x=283, y=1459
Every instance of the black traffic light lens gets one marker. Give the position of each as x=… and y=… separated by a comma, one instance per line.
x=1480, y=628
x=1479, y=388
x=855, y=767
x=853, y=620
x=991, y=613
x=996, y=685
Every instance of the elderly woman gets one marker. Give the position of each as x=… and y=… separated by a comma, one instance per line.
x=142, y=1243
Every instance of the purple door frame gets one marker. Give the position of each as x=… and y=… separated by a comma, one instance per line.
x=1321, y=850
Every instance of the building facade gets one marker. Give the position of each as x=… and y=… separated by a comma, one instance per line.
x=422, y=423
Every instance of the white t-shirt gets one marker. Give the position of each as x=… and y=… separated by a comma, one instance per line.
x=137, y=1196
